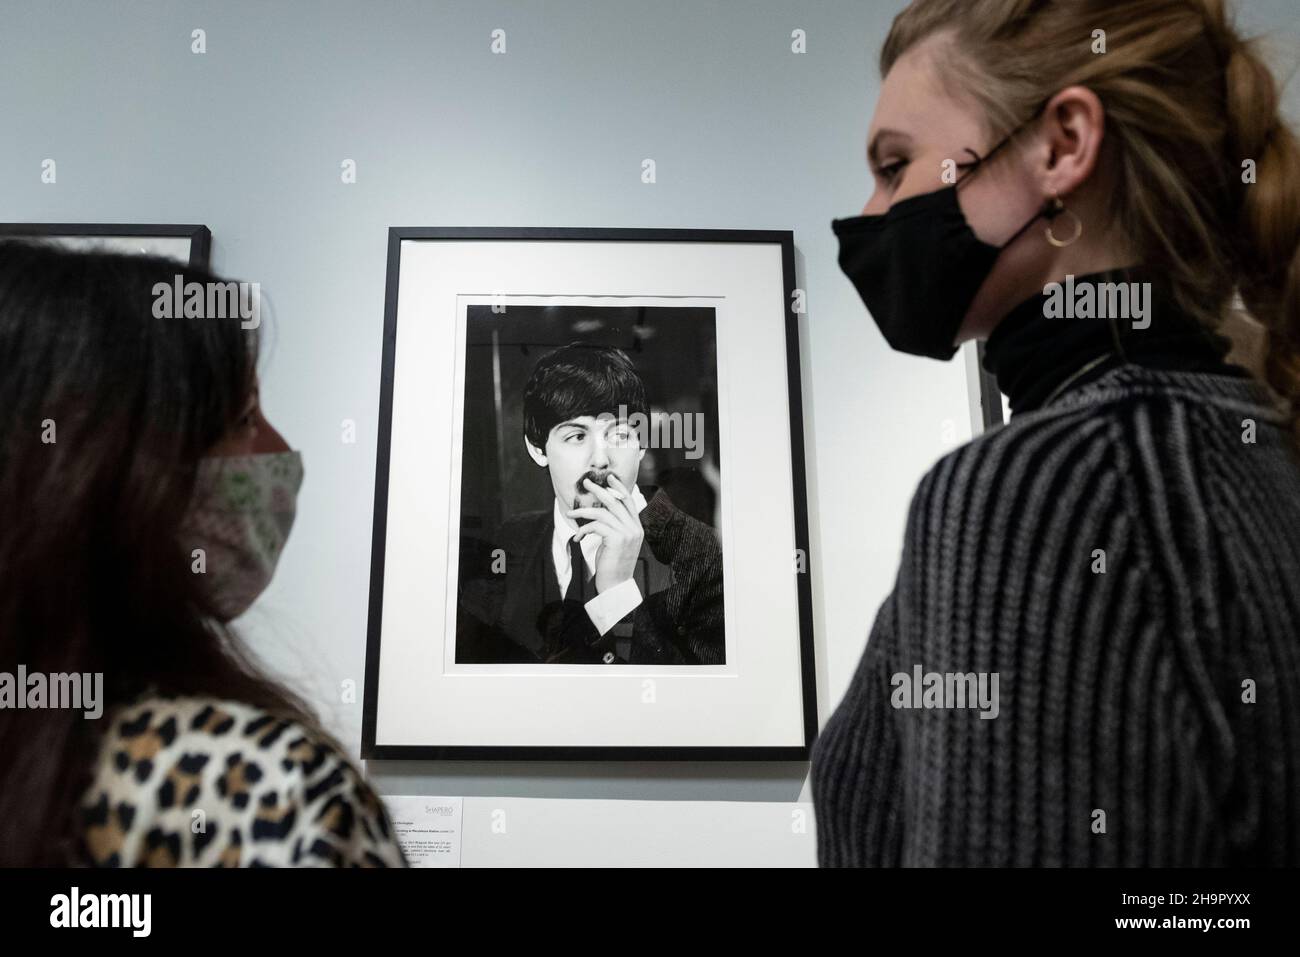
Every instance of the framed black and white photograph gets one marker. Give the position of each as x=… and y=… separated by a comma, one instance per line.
x=187, y=244
x=590, y=528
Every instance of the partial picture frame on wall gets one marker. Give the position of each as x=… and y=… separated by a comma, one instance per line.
x=189, y=244
x=988, y=405
x=590, y=529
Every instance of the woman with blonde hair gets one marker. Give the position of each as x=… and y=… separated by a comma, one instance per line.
x=1090, y=656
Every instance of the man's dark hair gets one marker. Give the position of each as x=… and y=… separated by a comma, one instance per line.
x=579, y=379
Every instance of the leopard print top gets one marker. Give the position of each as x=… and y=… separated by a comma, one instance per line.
x=200, y=782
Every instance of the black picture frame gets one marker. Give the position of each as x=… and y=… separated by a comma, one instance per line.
x=370, y=750
x=990, y=399
x=200, y=237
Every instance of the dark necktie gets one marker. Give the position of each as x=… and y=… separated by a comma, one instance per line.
x=579, y=589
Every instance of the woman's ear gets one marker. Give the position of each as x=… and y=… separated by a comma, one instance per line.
x=1074, y=124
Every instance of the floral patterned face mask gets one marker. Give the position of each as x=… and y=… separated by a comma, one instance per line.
x=240, y=516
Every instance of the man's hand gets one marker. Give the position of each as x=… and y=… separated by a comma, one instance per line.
x=619, y=528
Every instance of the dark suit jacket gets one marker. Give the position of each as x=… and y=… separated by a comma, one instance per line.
x=510, y=608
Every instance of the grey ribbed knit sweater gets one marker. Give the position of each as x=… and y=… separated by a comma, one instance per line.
x=1128, y=563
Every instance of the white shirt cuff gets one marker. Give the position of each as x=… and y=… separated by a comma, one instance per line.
x=610, y=607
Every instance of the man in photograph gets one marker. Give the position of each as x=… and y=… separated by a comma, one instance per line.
x=603, y=576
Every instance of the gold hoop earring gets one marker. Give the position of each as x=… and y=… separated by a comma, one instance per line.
x=1057, y=208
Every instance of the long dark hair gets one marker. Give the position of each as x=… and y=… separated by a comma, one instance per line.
x=105, y=411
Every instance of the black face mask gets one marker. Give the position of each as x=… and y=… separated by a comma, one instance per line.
x=918, y=266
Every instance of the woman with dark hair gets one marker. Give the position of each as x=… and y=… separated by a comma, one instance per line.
x=144, y=500
x=1090, y=655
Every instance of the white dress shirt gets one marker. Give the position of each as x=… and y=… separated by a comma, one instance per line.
x=609, y=607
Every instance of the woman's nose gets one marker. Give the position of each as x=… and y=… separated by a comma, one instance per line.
x=268, y=439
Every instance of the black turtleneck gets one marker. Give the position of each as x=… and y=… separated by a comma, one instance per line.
x=1036, y=357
